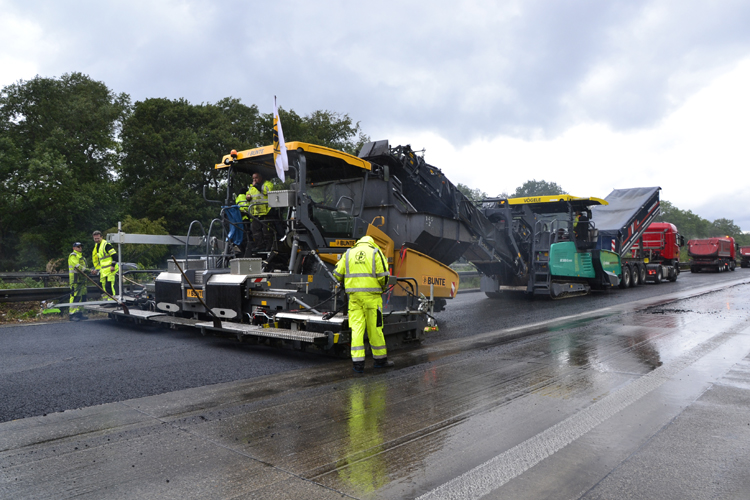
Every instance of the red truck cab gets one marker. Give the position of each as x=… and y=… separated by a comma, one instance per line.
x=662, y=241
x=661, y=247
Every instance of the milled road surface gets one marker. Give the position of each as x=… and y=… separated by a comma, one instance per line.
x=602, y=397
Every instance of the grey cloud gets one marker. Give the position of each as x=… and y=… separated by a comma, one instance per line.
x=465, y=70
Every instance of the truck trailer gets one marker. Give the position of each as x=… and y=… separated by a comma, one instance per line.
x=715, y=254
x=625, y=224
x=744, y=256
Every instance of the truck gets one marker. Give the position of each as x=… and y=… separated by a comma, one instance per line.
x=716, y=254
x=744, y=256
x=660, y=246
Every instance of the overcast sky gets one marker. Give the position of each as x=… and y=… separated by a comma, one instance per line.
x=591, y=94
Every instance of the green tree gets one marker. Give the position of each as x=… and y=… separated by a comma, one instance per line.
x=690, y=225
x=170, y=148
x=537, y=188
x=324, y=128
x=725, y=227
x=146, y=256
x=58, y=156
x=475, y=195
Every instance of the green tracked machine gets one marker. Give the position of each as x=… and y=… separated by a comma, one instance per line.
x=558, y=247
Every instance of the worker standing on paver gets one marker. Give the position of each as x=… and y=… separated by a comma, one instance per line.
x=364, y=271
x=243, y=205
x=257, y=196
x=105, y=260
x=77, y=282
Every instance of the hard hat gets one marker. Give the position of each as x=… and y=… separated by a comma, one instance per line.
x=77, y=244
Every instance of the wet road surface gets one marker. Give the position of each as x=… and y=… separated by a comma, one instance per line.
x=617, y=399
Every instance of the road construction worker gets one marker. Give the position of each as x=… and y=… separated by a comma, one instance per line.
x=364, y=271
x=257, y=197
x=581, y=226
x=77, y=282
x=244, y=205
x=105, y=261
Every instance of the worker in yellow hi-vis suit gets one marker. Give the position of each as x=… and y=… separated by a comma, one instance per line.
x=106, y=264
x=77, y=262
x=364, y=271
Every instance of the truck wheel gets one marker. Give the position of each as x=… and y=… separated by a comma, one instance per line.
x=694, y=269
x=626, y=275
x=659, y=275
x=732, y=265
x=672, y=274
x=642, y=272
x=494, y=295
x=635, y=276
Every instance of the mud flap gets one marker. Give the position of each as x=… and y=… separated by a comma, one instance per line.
x=564, y=290
x=610, y=279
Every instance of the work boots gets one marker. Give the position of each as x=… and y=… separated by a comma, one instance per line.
x=78, y=316
x=359, y=366
x=383, y=363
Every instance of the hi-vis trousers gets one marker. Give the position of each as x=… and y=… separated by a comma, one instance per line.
x=365, y=309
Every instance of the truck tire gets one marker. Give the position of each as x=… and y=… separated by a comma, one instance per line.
x=625, y=282
x=732, y=265
x=672, y=275
x=642, y=272
x=694, y=269
x=635, y=276
x=659, y=275
x=494, y=295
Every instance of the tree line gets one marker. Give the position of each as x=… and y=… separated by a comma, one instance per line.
x=75, y=156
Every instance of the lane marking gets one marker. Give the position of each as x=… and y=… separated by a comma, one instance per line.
x=492, y=474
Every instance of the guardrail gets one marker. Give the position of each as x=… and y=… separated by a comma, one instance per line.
x=60, y=293
x=63, y=277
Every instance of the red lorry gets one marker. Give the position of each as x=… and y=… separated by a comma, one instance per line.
x=661, y=246
x=744, y=256
x=712, y=253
